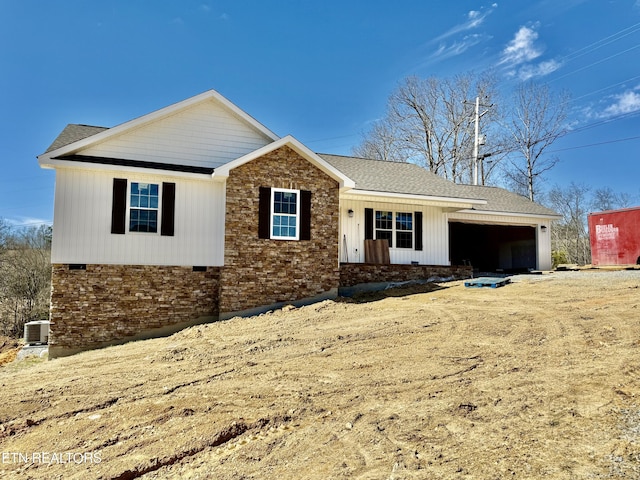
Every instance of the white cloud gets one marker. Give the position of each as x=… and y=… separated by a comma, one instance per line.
x=205, y=8
x=460, y=38
x=522, y=48
x=539, y=70
x=475, y=18
x=626, y=102
x=519, y=55
x=225, y=17
x=458, y=47
x=27, y=222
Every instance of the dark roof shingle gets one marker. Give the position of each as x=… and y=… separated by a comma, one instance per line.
x=408, y=178
x=73, y=133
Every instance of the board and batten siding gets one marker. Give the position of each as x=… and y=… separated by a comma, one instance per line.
x=543, y=238
x=435, y=234
x=82, y=222
x=205, y=135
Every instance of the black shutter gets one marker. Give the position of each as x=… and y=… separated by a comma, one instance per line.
x=119, y=206
x=417, y=230
x=264, y=213
x=368, y=223
x=168, y=209
x=305, y=215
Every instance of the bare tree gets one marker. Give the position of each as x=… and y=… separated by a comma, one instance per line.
x=381, y=143
x=429, y=122
x=25, y=278
x=570, y=235
x=536, y=121
x=606, y=199
x=4, y=234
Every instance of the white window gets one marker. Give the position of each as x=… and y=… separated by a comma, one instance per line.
x=396, y=228
x=143, y=207
x=404, y=230
x=384, y=226
x=285, y=214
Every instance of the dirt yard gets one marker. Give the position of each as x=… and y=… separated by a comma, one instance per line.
x=537, y=379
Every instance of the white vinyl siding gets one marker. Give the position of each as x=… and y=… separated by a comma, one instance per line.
x=82, y=219
x=434, y=230
x=206, y=135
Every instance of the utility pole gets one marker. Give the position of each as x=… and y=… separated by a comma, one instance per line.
x=476, y=139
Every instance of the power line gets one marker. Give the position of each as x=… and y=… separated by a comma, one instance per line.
x=603, y=89
x=595, y=63
x=588, y=49
x=596, y=144
x=615, y=118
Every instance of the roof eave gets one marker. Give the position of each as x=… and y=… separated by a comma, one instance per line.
x=463, y=202
x=512, y=214
x=78, y=165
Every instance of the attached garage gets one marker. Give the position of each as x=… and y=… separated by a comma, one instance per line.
x=508, y=234
x=493, y=248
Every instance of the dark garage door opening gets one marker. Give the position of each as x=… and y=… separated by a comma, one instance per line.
x=493, y=248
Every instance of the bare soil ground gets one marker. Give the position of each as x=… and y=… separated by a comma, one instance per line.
x=9, y=348
x=537, y=379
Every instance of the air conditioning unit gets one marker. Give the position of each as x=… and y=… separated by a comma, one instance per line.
x=36, y=332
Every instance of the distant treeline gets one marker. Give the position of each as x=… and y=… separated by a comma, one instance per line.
x=25, y=276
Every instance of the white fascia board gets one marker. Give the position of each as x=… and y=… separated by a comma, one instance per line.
x=510, y=214
x=462, y=202
x=222, y=173
x=75, y=165
x=153, y=116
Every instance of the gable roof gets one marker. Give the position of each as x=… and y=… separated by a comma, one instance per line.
x=410, y=179
x=344, y=180
x=75, y=138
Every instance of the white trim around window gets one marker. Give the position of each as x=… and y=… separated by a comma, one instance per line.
x=285, y=214
x=396, y=227
x=143, y=207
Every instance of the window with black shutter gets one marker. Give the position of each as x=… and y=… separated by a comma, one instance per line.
x=143, y=206
x=284, y=214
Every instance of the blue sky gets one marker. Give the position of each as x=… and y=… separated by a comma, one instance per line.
x=321, y=71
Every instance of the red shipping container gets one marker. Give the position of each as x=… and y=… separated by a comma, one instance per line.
x=615, y=237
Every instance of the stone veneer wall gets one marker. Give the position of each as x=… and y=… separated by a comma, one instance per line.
x=261, y=272
x=355, y=273
x=109, y=304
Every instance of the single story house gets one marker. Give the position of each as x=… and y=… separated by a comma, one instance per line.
x=197, y=212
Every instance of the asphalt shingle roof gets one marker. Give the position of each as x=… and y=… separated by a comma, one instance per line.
x=73, y=133
x=501, y=200
x=395, y=177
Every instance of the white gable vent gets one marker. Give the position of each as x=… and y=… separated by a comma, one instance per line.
x=36, y=332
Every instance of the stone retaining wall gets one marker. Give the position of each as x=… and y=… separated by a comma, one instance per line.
x=108, y=304
x=355, y=273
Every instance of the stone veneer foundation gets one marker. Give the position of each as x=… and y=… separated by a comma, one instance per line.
x=356, y=273
x=99, y=305
x=259, y=273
